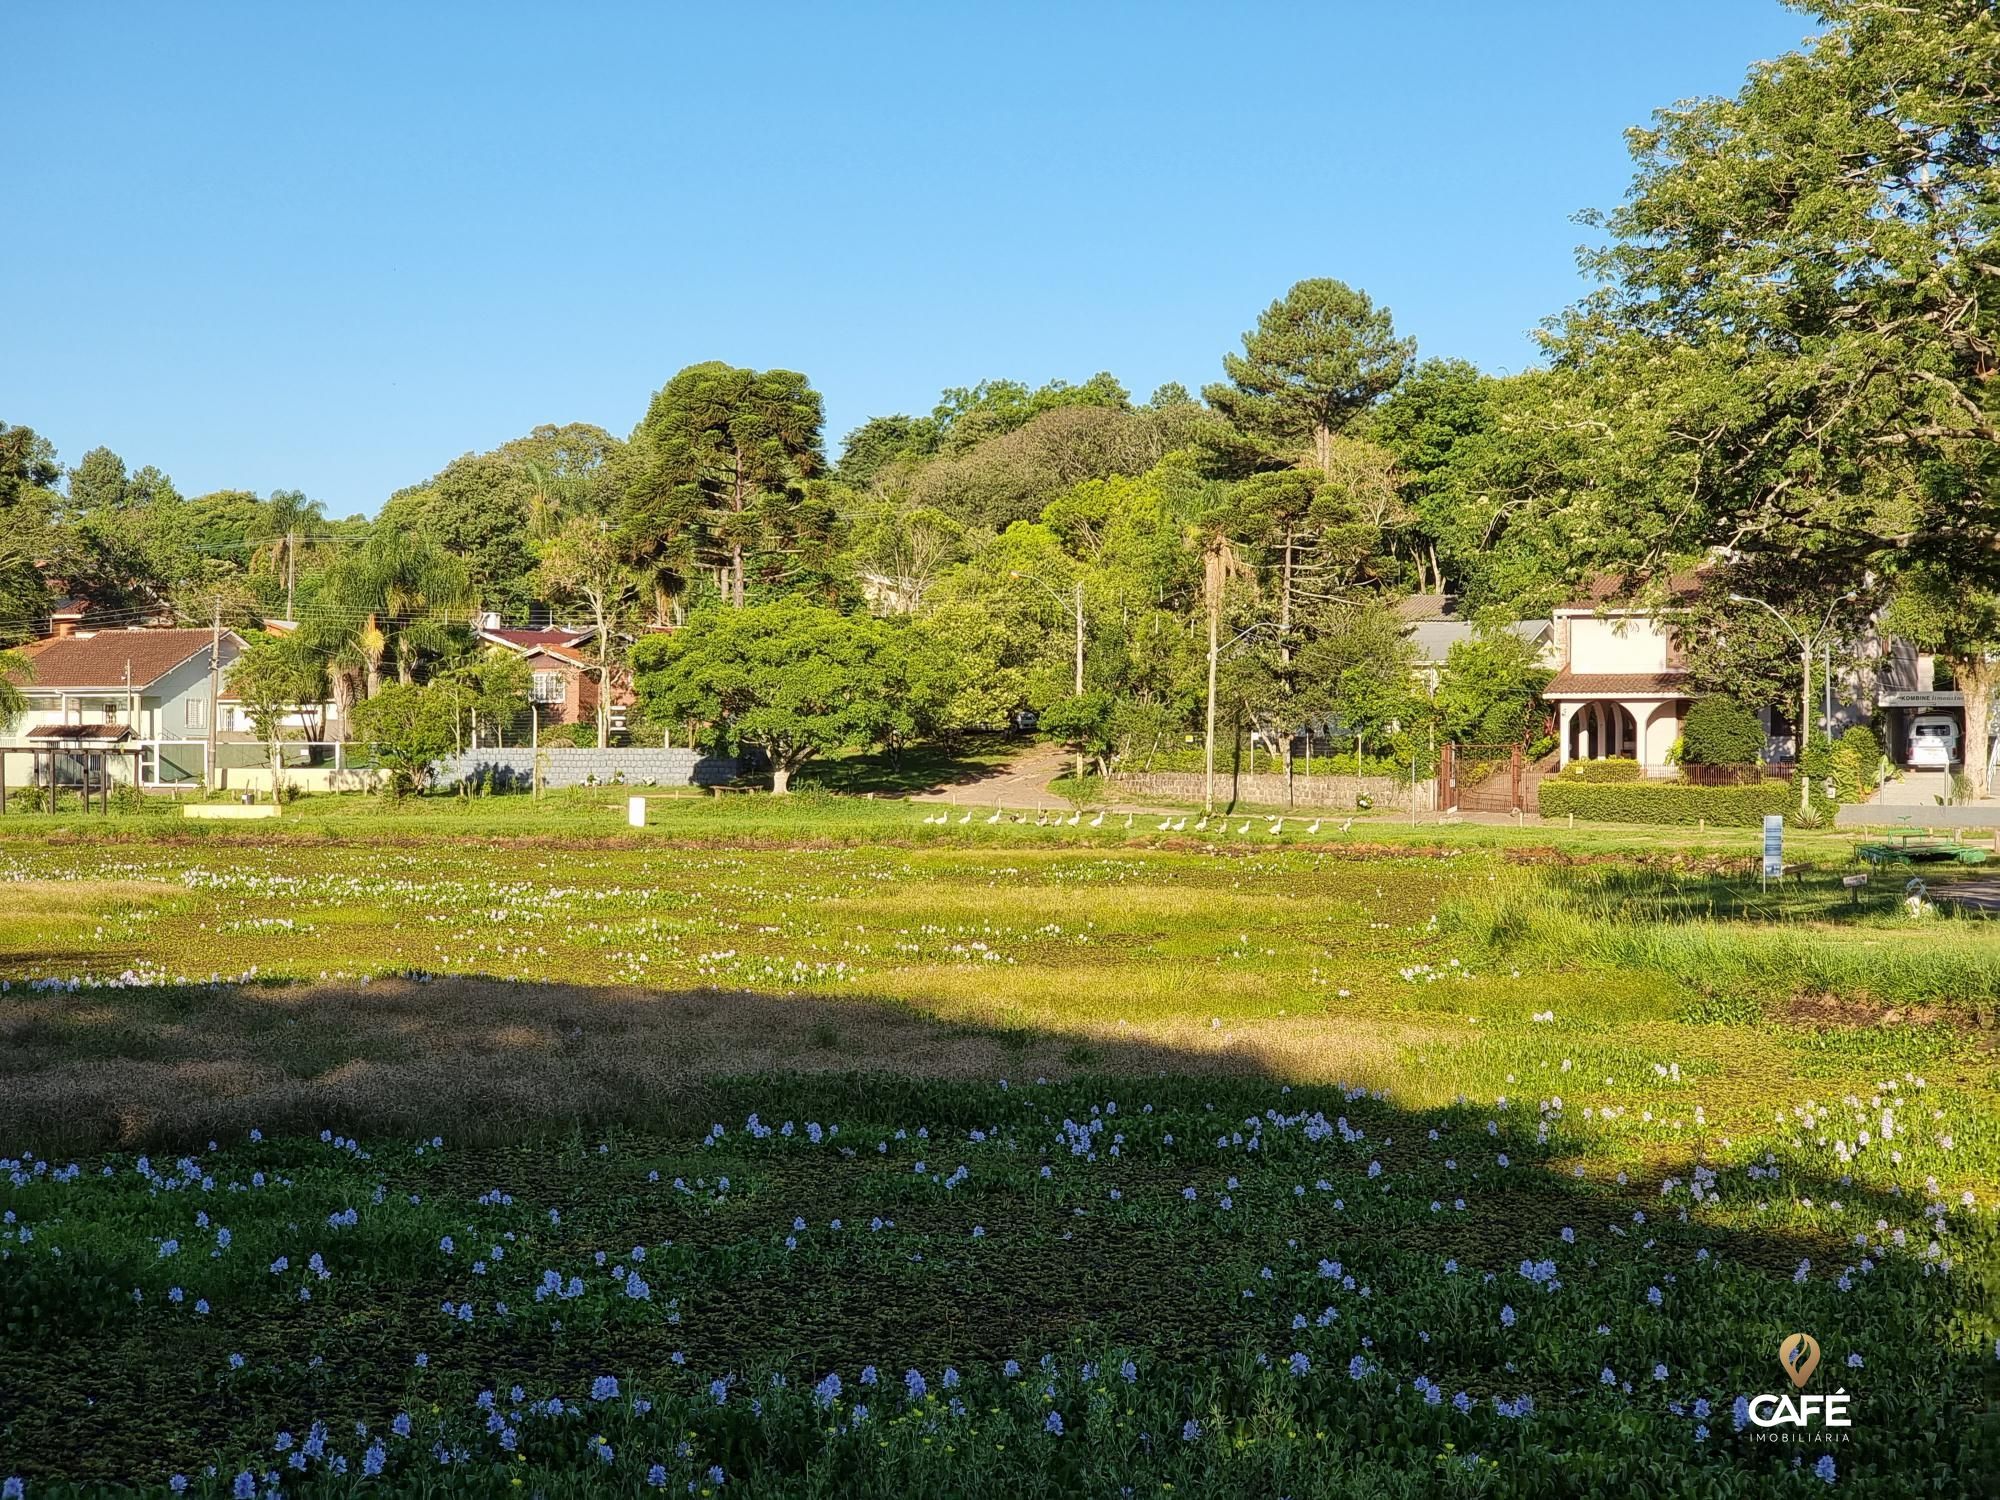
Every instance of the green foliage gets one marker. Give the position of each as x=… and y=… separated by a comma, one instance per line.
x=1489, y=693
x=1855, y=764
x=1611, y=768
x=1719, y=731
x=409, y=726
x=1318, y=356
x=791, y=678
x=16, y=672
x=1667, y=802
x=716, y=475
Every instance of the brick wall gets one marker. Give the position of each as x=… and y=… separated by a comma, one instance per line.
x=636, y=766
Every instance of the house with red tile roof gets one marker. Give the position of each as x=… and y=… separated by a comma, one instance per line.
x=563, y=665
x=152, y=683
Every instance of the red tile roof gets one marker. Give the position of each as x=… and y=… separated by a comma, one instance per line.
x=527, y=639
x=1619, y=591
x=1618, y=684
x=97, y=661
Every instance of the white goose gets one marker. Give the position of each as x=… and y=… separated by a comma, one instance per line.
x=1202, y=824
x=1244, y=826
x=994, y=819
x=1098, y=821
x=1074, y=818
x=1315, y=826
x=966, y=819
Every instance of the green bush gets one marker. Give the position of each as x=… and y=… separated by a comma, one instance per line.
x=1664, y=801
x=1612, y=768
x=1855, y=764
x=1721, y=732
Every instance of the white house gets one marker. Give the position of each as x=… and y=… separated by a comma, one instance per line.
x=1621, y=685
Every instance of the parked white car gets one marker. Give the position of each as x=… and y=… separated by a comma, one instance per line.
x=1933, y=743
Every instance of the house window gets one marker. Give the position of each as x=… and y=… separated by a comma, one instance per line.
x=197, y=713
x=550, y=687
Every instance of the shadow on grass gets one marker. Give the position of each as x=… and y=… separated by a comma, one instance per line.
x=1231, y=1160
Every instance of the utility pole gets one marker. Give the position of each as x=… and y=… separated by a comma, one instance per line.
x=1212, y=569
x=1079, y=666
x=214, y=692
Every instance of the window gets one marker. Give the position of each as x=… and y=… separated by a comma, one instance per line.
x=197, y=713
x=550, y=687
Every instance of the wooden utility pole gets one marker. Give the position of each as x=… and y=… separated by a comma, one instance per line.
x=1212, y=585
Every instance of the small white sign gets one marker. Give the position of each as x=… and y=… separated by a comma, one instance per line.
x=635, y=811
x=1774, y=846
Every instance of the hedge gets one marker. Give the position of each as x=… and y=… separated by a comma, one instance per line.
x=1612, y=768
x=1665, y=801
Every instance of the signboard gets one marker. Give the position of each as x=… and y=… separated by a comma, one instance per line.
x=1774, y=845
x=1926, y=699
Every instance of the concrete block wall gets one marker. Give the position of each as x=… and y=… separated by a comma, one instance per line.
x=1336, y=792
x=514, y=768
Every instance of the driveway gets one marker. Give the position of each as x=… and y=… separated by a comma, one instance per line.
x=1916, y=789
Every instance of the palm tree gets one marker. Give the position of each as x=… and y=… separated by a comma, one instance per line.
x=289, y=519
x=399, y=598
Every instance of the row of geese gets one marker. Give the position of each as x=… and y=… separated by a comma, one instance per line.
x=1275, y=827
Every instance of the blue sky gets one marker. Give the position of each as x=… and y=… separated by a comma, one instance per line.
x=332, y=247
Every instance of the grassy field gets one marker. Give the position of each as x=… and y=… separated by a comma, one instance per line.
x=809, y=1149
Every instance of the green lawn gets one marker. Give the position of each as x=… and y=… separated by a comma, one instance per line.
x=1303, y=1132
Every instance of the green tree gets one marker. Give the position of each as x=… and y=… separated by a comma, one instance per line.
x=1791, y=350
x=1318, y=356
x=410, y=727
x=398, y=601
x=1720, y=731
x=793, y=679
x=15, y=671
x=582, y=561
x=1490, y=690
x=275, y=678
x=289, y=526
x=1938, y=611
x=718, y=472
x=99, y=484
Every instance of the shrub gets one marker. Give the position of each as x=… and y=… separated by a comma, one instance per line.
x=1674, y=802
x=1721, y=732
x=1612, y=768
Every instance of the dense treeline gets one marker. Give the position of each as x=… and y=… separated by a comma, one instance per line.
x=1786, y=373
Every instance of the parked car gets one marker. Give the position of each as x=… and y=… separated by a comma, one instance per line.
x=1933, y=742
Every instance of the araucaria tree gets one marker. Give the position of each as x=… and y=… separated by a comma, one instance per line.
x=1318, y=356
x=790, y=678
x=716, y=475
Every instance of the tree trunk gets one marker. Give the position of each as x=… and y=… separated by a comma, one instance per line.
x=781, y=779
x=603, y=682
x=1323, y=449
x=1976, y=680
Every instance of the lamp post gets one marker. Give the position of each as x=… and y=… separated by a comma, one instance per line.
x=1075, y=602
x=1805, y=643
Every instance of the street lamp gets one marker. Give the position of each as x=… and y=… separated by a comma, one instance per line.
x=1077, y=603
x=1805, y=643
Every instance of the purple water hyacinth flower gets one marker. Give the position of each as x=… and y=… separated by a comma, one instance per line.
x=1054, y=1425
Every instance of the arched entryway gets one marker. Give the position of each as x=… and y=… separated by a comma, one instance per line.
x=1599, y=730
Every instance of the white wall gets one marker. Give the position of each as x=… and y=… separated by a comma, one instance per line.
x=1617, y=644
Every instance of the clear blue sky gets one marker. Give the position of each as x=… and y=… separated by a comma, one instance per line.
x=332, y=247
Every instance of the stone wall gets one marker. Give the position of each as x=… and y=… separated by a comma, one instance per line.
x=1266, y=790
x=514, y=769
